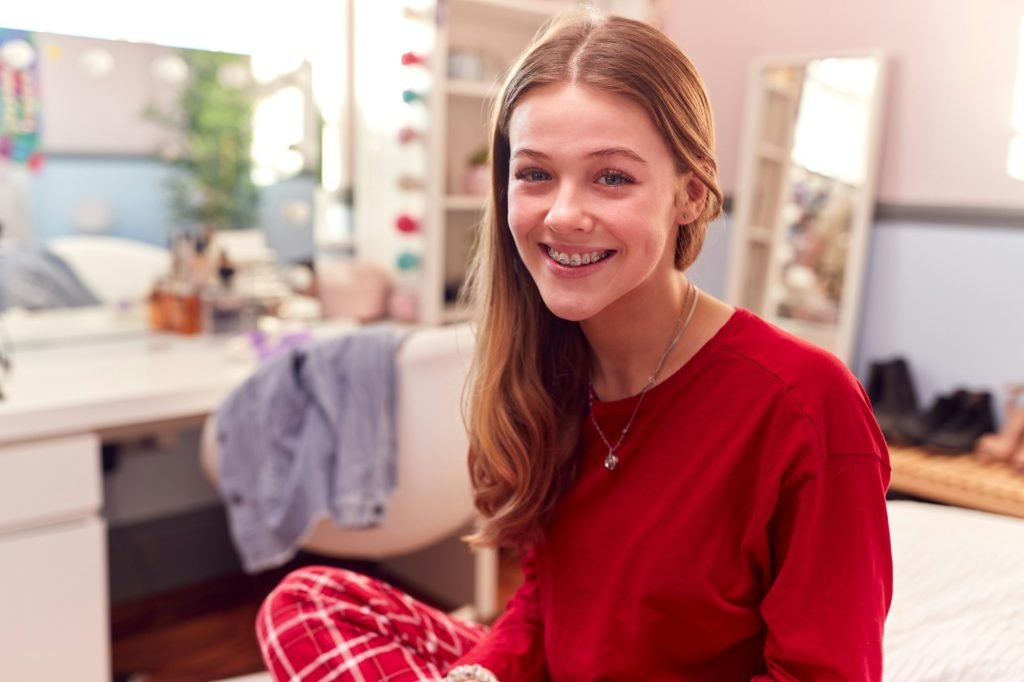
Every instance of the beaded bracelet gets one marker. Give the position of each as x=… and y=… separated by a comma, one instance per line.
x=470, y=673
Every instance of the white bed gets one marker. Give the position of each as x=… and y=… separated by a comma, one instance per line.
x=958, y=596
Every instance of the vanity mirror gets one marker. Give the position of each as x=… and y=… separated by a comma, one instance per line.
x=112, y=152
x=806, y=193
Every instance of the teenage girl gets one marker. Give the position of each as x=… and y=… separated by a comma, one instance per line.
x=697, y=495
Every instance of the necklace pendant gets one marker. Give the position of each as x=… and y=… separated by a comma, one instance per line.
x=611, y=461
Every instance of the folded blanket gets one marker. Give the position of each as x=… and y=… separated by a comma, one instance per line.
x=310, y=434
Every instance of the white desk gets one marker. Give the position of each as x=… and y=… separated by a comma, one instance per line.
x=54, y=622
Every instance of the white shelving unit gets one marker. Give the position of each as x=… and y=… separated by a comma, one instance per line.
x=470, y=89
x=452, y=117
x=495, y=32
x=464, y=202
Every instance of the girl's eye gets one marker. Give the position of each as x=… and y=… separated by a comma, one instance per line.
x=532, y=175
x=613, y=178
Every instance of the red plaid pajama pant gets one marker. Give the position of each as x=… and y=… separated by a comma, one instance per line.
x=324, y=624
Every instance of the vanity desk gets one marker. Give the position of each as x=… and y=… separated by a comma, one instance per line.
x=61, y=399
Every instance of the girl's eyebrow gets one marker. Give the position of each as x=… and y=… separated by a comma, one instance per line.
x=526, y=151
x=609, y=151
x=619, y=151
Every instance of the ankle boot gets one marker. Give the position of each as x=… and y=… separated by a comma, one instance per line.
x=893, y=396
x=913, y=429
x=959, y=434
x=874, y=385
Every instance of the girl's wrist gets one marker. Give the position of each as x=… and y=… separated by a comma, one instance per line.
x=470, y=673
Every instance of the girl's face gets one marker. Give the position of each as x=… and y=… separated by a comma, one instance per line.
x=594, y=200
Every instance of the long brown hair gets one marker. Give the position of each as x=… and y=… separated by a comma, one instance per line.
x=527, y=389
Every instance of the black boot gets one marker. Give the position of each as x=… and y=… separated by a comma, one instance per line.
x=893, y=396
x=875, y=385
x=960, y=432
x=913, y=429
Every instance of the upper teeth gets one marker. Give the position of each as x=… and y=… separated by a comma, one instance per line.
x=575, y=259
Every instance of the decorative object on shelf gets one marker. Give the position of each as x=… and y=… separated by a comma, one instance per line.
x=407, y=261
x=20, y=115
x=467, y=65
x=410, y=183
x=414, y=59
x=410, y=96
x=477, y=179
x=406, y=223
x=404, y=305
x=409, y=134
x=417, y=14
x=354, y=290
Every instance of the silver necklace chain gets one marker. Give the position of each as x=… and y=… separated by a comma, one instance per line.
x=612, y=459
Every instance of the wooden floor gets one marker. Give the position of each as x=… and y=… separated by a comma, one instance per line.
x=205, y=632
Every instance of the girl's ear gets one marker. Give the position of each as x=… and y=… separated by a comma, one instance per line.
x=690, y=199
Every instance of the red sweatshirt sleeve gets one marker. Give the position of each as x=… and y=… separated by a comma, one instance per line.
x=514, y=648
x=832, y=565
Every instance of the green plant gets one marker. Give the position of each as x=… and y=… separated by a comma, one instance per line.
x=212, y=186
x=479, y=157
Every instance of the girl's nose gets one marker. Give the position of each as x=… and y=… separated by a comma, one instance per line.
x=569, y=212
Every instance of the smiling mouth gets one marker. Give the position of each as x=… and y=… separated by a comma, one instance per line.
x=577, y=260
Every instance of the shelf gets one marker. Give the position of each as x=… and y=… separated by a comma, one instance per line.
x=504, y=12
x=473, y=89
x=958, y=479
x=759, y=235
x=772, y=152
x=464, y=202
x=454, y=313
x=787, y=91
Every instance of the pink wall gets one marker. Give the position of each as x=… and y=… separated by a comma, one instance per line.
x=952, y=70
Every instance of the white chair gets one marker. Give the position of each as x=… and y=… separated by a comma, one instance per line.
x=433, y=499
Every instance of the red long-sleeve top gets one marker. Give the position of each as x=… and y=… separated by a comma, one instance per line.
x=743, y=535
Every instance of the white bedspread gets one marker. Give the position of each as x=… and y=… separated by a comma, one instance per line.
x=958, y=596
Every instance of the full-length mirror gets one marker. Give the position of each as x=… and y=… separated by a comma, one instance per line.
x=806, y=193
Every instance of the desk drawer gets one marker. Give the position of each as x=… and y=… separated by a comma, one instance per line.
x=49, y=481
x=54, y=620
